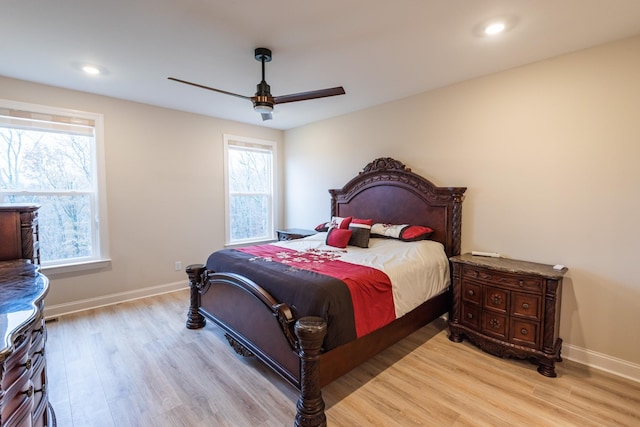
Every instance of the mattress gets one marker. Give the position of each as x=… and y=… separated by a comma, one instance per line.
x=418, y=270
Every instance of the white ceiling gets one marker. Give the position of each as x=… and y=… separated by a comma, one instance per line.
x=378, y=51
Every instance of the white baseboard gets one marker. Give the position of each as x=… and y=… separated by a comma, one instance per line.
x=53, y=311
x=601, y=361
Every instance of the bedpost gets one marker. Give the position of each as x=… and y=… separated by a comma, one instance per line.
x=310, y=409
x=456, y=226
x=195, y=320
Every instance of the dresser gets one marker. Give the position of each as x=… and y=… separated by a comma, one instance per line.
x=509, y=308
x=24, y=397
x=19, y=232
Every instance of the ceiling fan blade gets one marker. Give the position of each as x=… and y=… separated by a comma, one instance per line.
x=209, y=88
x=314, y=94
x=266, y=116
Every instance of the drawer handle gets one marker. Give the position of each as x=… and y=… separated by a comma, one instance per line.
x=494, y=323
x=469, y=316
x=496, y=299
x=521, y=283
x=40, y=352
x=29, y=391
x=525, y=305
x=27, y=364
x=470, y=292
x=523, y=331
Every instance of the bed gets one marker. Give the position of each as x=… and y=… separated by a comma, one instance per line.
x=279, y=332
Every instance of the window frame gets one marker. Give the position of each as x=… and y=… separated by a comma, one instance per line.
x=99, y=229
x=231, y=141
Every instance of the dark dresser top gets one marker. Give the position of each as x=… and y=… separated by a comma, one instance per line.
x=10, y=207
x=22, y=287
x=511, y=265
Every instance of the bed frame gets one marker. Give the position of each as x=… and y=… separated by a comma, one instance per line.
x=256, y=324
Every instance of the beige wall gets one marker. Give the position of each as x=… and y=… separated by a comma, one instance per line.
x=164, y=178
x=550, y=154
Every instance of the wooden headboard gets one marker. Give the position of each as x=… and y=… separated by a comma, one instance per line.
x=388, y=192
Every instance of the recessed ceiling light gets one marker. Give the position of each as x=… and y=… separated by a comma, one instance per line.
x=495, y=28
x=90, y=69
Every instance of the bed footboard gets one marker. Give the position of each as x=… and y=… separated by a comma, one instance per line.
x=199, y=282
x=268, y=331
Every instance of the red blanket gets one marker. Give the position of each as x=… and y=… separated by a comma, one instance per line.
x=370, y=289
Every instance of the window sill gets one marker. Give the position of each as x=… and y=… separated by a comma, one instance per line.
x=54, y=270
x=250, y=242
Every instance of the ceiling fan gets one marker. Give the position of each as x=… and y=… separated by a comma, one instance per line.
x=263, y=101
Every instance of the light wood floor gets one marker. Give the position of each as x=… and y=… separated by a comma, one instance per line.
x=135, y=364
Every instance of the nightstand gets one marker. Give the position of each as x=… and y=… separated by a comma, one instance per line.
x=508, y=308
x=294, y=233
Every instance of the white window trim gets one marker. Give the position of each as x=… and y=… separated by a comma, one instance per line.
x=228, y=140
x=102, y=238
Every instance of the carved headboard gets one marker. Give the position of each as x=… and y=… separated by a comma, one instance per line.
x=388, y=192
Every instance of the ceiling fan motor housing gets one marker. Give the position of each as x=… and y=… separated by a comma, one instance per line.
x=263, y=97
x=263, y=101
x=262, y=104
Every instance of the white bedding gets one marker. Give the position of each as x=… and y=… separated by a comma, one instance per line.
x=418, y=270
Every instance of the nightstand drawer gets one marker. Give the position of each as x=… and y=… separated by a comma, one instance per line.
x=512, y=281
x=496, y=299
x=526, y=305
x=494, y=324
x=471, y=315
x=472, y=292
x=524, y=333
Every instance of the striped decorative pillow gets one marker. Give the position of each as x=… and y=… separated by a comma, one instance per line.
x=361, y=230
x=336, y=222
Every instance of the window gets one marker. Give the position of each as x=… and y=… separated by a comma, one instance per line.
x=249, y=187
x=49, y=156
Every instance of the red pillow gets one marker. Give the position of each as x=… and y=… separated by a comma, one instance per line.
x=415, y=232
x=404, y=232
x=338, y=237
x=323, y=227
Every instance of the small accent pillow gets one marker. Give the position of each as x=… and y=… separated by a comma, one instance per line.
x=414, y=233
x=338, y=237
x=404, y=232
x=336, y=221
x=361, y=229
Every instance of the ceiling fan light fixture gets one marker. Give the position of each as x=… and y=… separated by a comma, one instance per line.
x=263, y=107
